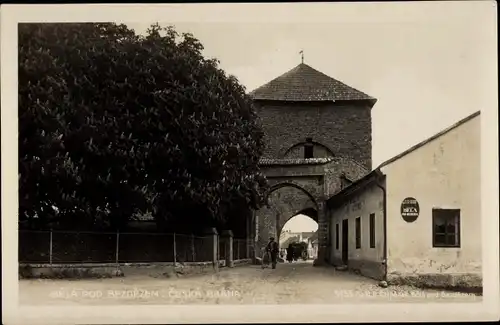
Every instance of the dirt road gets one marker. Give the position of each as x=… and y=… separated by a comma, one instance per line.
x=288, y=284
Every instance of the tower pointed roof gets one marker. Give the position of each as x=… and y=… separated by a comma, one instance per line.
x=304, y=83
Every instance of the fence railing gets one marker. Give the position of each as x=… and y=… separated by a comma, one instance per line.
x=240, y=249
x=57, y=247
x=222, y=248
x=64, y=247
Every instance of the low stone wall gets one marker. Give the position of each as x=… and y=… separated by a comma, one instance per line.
x=242, y=262
x=67, y=271
x=80, y=271
x=335, y=261
x=472, y=283
x=370, y=269
x=108, y=270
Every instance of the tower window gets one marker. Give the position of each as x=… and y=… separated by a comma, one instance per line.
x=308, y=149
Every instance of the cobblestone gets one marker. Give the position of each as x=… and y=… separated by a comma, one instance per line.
x=296, y=283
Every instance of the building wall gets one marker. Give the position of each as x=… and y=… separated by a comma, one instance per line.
x=320, y=181
x=284, y=203
x=443, y=173
x=314, y=250
x=344, y=130
x=336, y=170
x=368, y=261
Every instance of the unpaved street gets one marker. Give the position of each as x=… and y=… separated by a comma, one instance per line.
x=288, y=284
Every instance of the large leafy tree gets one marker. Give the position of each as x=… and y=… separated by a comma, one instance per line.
x=112, y=123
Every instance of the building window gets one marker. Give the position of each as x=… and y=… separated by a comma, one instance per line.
x=337, y=235
x=372, y=230
x=308, y=149
x=358, y=232
x=446, y=227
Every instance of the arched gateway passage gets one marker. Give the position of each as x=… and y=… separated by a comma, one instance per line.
x=301, y=186
x=301, y=228
x=286, y=200
x=306, y=213
x=318, y=137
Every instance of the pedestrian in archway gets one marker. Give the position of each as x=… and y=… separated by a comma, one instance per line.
x=273, y=249
x=289, y=253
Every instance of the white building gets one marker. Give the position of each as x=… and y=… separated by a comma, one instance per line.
x=416, y=219
x=287, y=237
x=312, y=246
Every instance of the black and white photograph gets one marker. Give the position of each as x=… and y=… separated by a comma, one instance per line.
x=271, y=162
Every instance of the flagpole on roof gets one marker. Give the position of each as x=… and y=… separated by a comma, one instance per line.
x=302, y=55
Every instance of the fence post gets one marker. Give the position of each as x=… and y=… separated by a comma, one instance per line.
x=193, y=249
x=256, y=247
x=50, y=247
x=228, y=243
x=175, y=252
x=248, y=234
x=238, y=249
x=212, y=236
x=117, y=249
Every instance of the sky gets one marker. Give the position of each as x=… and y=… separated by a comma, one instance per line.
x=427, y=73
x=301, y=223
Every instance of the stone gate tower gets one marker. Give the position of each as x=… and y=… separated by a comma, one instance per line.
x=318, y=139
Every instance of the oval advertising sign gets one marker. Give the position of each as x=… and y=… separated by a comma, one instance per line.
x=410, y=209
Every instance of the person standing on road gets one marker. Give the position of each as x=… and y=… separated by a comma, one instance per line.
x=289, y=253
x=273, y=249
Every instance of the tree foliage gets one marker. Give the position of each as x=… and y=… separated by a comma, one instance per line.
x=112, y=123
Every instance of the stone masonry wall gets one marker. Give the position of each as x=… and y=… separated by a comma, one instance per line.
x=284, y=203
x=344, y=130
x=341, y=167
x=321, y=181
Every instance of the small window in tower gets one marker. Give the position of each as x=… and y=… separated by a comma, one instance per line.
x=308, y=149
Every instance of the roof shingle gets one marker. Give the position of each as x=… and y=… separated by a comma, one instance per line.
x=304, y=83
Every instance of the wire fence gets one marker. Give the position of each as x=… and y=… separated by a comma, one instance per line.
x=240, y=249
x=222, y=248
x=65, y=247
x=61, y=247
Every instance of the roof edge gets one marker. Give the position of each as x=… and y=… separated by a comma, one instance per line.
x=430, y=139
x=376, y=174
x=338, y=199
x=252, y=93
x=371, y=101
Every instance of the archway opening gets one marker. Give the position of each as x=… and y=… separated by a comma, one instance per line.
x=285, y=201
x=300, y=230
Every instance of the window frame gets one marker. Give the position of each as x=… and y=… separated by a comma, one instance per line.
x=357, y=229
x=456, y=220
x=308, y=148
x=337, y=236
x=372, y=230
